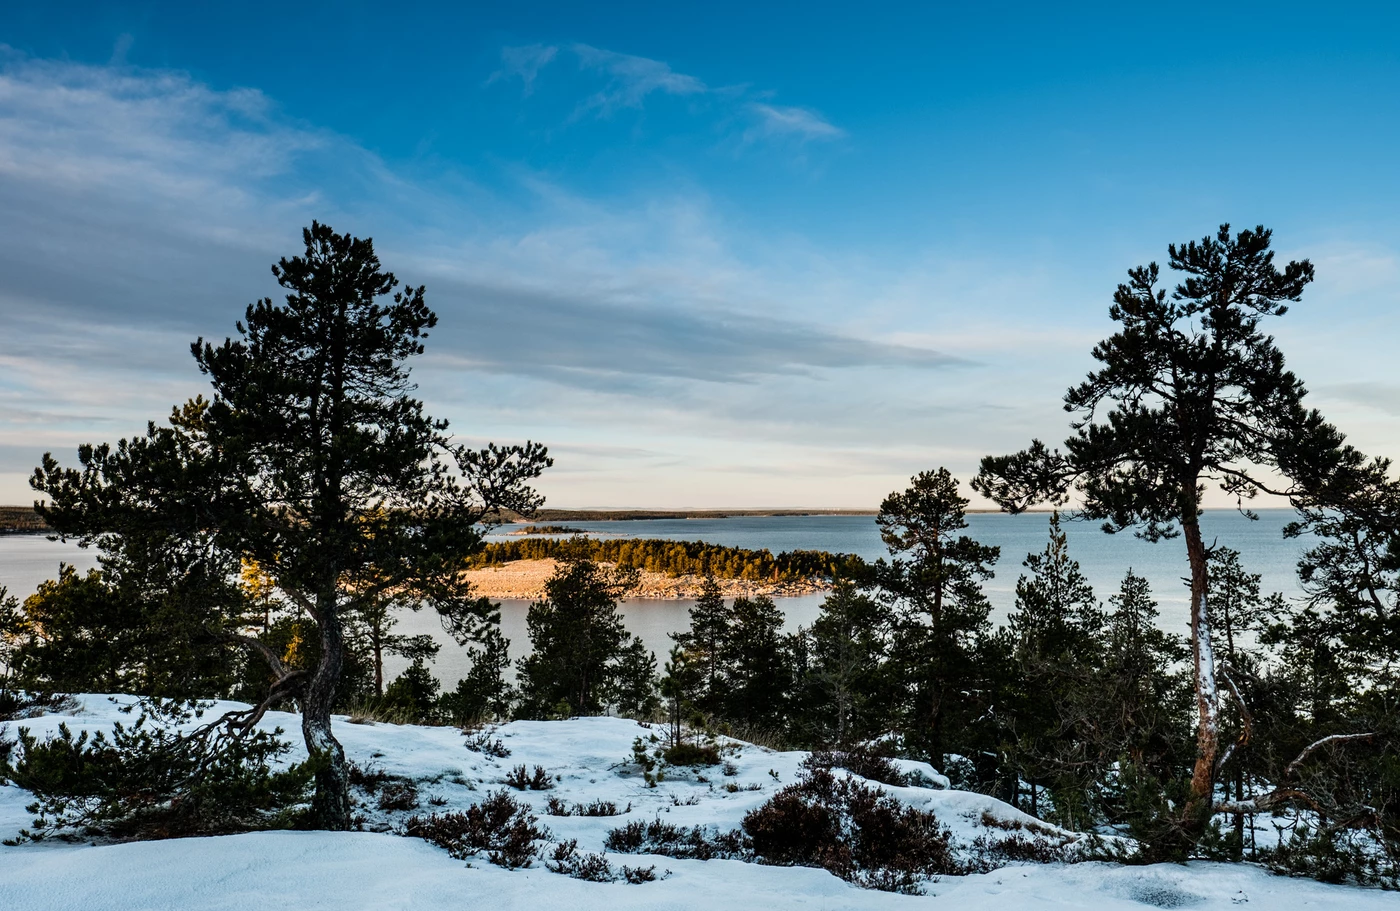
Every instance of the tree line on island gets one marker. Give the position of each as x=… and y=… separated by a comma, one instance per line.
x=261, y=544
x=676, y=558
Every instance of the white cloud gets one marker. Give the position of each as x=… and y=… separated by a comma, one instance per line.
x=802, y=123
x=524, y=63
x=631, y=79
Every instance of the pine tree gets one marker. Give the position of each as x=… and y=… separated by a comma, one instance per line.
x=941, y=614
x=1056, y=629
x=581, y=651
x=757, y=675
x=1189, y=390
x=314, y=461
x=846, y=686
x=703, y=647
x=484, y=692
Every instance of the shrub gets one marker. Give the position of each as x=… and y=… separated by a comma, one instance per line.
x=1347, y=856
x=152, y=780
x=556, y=807
x=368, y=779
x=521, y=780
x=858, y=761
x=859, y=833
x=484, y=742
x=594, y=867
x=500, y=827
x=657, y=837
x=691, y=754
x=398, y=796
x=16, y=704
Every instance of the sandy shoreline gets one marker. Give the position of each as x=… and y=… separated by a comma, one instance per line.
x=525, y=579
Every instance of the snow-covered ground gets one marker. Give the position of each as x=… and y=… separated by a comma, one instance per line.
x=590, y=760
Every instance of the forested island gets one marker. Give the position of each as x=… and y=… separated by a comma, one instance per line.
x=666, y=568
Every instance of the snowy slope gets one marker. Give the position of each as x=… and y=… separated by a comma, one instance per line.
x=590, y=760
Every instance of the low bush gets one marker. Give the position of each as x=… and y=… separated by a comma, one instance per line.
x=500, y=827
x=858, y=761
x=399, y=796
x=657, y=837
x=691, y=754
x=594, y=868
x=486, y=743
x=556, y=807
x=1346, y=856
x=859, y=833
x=522, y=780
x=17, y=704
x=151, y=779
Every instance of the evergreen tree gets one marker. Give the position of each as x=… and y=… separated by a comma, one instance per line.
x=1237, y=608
x=1139, y=705
x=1190, y=390
x=414, y=692
x=633, y=688
x=580, y=649
x=483, y=692
x=757, y=674
x=101, y=632
x=314, y=461
x=681, y=687
x=846, y=686
x=1056, y=631
x=941, y=614
x=703, y=647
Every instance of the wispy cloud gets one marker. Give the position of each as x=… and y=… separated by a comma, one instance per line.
x=801, y=123
x=631, y=79
x=524, y=63
x=142, y=208
x=1383, y=397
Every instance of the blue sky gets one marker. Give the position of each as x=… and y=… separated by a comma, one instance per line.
x=714, y=255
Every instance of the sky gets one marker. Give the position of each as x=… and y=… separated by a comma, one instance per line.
x=713, y=255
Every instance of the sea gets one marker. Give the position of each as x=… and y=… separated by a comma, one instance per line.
x=27, y=560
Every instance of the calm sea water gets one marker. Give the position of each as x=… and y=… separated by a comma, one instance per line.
x=27, y=560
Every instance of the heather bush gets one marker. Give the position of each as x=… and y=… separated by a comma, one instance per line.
x=858, y=761
x=859, y=833
x=657, y=837
x=522, y=780
x=499, y=827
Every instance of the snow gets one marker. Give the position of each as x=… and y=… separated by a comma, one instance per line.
x=591, y=759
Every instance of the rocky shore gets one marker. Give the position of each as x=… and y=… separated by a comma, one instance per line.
x=526, y=578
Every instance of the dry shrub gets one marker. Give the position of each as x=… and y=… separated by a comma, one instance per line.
x=485, y=742
x=859, y=833
x=657, y=837
x=522, y=780
x=594, y=868
x=499, y=827
x=691, y=754
x=399, y=796
x=858, y=761
x=556, y=807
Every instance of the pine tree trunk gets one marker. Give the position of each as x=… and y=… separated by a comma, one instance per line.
x=331, y=802
x=1201, y=800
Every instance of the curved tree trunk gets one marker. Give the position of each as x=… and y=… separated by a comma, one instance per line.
x=1201, y=801
x=331, y=803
